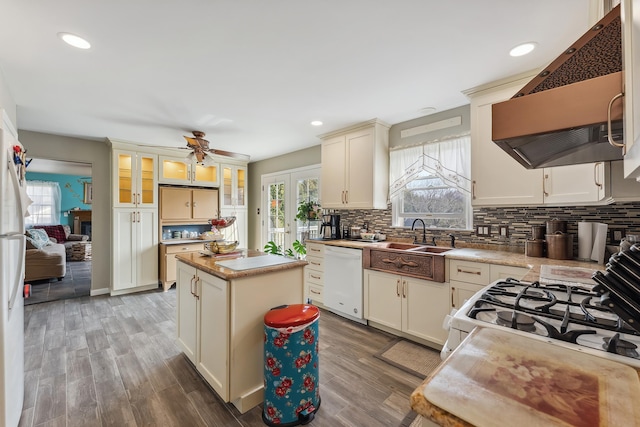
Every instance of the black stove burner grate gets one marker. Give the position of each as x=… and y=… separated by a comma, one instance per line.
x=540, y=301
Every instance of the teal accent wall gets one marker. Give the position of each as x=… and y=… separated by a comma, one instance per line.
x=71, y=189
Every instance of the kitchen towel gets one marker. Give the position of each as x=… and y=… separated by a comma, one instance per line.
x=592, y=238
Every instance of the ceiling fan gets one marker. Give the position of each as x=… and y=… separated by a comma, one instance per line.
x=200, y=147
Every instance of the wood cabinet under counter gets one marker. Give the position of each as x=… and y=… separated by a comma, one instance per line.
x=168, y=261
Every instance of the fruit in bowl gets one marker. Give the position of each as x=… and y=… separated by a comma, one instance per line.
x=367, y=236
x=223, y=247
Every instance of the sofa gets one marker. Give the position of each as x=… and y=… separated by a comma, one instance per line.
x=62, y=234
x=47, y=262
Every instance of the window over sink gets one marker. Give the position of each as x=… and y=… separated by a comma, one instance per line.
x=432, y=182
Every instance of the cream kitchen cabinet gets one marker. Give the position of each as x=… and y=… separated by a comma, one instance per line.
x=584, y=183
x=168, y=262
x=182, y=171
x=203, y=325
x=314, y=274
x=135, y=182
x=413, y=307
x=513, y=185
x=468, y=277
x=192, y=205
x=220, y=326
x=630, y=15
x=355, y=167
x=135, y=250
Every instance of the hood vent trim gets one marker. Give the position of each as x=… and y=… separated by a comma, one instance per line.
x=559, y=118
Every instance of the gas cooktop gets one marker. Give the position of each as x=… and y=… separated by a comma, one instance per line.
x=571, y=315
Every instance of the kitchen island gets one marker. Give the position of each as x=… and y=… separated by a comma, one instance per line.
x=221, y=302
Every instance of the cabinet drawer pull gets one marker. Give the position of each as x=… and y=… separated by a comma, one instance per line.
x=314, y=250
x=398, y=287
x=314, y=263
x=469, y=272
x=453, y=304
x=314, y=292
x=314, y=277
x=399, y=262
x=404, y=289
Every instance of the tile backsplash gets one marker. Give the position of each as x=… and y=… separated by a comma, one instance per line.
x=517, y=220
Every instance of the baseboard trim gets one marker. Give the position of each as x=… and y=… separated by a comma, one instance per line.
x=96, y=292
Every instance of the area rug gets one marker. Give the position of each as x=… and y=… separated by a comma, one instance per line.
x=413, y=358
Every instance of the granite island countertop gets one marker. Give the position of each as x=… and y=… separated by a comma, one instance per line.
x=215, y=265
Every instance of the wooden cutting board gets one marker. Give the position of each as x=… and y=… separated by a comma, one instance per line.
x=497, y=378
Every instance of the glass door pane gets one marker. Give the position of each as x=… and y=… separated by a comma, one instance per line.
x=307, y=190
x=277, y=228
x=125, y=191
x=147, y=182
x=227, y=186
x=175, y=170
x=240, y=194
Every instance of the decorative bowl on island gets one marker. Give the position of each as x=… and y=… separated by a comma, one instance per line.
x=367, y=236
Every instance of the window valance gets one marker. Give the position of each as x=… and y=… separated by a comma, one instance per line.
x=448, y=159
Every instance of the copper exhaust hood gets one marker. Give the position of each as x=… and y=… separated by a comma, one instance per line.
x=561, y=116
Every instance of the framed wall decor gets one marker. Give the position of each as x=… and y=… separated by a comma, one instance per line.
x=88, y=193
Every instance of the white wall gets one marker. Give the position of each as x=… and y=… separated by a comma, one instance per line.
x=7, y=102
x=98, y=154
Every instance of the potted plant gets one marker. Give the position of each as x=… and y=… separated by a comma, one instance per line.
x=308, y=210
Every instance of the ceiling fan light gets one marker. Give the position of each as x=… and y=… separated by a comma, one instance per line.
x=209, y=161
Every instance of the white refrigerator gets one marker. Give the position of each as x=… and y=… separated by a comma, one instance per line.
x=12, y=250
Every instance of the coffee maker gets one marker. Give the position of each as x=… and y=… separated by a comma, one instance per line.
x=334, y=222
x=330, y=228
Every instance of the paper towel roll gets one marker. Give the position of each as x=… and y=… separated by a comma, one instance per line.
x=585, y=240
x=599, y=242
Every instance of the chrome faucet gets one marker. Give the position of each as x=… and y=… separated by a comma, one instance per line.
x=424, y=230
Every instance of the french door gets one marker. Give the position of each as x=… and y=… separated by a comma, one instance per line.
x=281, y=194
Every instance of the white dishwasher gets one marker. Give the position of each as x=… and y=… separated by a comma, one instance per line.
x=343, y=282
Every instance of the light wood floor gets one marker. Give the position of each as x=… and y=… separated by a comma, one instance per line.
x=112, y=361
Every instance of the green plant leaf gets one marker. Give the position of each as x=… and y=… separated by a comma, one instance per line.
x=299, y=247
x=272, y=248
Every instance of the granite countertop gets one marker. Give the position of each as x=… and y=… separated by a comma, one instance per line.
x=482, y=254
x=210, y=264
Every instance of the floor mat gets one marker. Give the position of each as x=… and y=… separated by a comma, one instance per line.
x=410, y=357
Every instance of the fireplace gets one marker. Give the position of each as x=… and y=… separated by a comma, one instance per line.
x=81, y=222
x=85, y=228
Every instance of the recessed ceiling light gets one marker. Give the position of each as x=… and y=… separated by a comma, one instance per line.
x=75, y=41
x=427, y=110
x=316, y=123
x=522, y=49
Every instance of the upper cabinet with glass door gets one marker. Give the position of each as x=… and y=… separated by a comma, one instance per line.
x=135, y=179
x=234, y=186
x=183, y=171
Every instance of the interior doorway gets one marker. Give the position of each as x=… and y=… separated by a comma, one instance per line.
x=74, y=181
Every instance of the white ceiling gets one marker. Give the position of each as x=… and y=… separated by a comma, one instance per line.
x=253, y=74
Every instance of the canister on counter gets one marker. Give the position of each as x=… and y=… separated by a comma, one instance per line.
x=555, y=225
x=534, y=248
x=559, y=245
x=538, y=232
